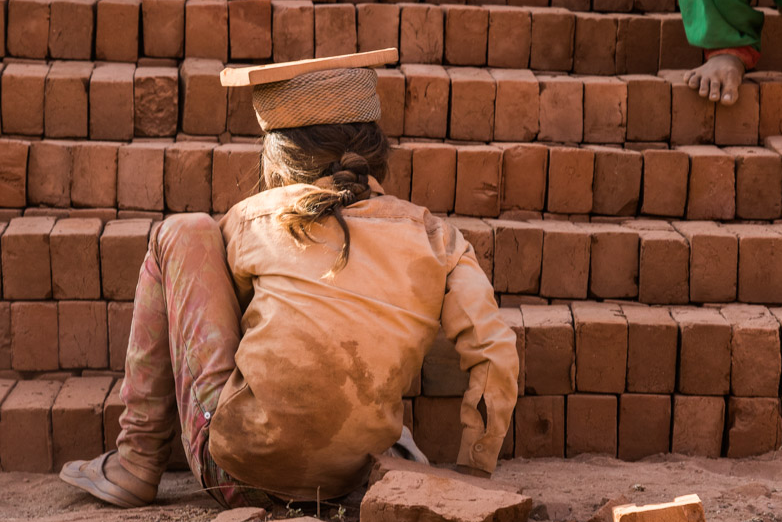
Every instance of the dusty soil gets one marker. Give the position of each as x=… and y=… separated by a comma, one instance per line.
x=745, y=490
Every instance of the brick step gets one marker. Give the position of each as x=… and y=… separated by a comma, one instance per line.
x=624, y=380
x=543, y=37
x=148, y=179
x=119, y=102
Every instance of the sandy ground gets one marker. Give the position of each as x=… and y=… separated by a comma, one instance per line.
x=746, y=490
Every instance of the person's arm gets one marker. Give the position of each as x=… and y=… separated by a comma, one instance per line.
x=724, y=27
x=487, y=348
x=232, y=225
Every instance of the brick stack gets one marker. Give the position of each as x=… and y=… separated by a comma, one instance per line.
x=631, y=230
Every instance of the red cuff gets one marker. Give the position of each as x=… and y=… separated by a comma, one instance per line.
x=747, y=54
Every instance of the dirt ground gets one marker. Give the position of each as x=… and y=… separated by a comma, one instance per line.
x=745, y=490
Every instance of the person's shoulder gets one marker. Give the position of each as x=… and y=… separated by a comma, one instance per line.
x=268, y=201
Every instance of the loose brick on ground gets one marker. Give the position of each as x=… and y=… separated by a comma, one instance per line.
x=614, y=261
x=75, y=259
x=644, y=425
x=378, y=26
x=94, y=177
x=687, y=507
x=140, y=176
x=540, y=427
x=120, y=316
x=391, y=91
x=664, y=271
x=434, y=175
x=23, y=86
x=83, y=334
x=112, y=409
x=518, y=249
x=651, y=349
x=605, y=110
x=737, y=124
x=637, y=44
x=13, y=173
x=665, y=181
x=561, y=108
x=466, y=34
x=71, y=29
x=565, y=266
x=156, y=98
x=332, y=20
x=77, y=419
x=26, y=268
x=516, y=113
x=754, y=351
x=441, y=375
x=754, y=426
x=698, y=424
x=34, y=335
x=28, y=29
x=713, y=261
x=570, y=178
x=760, y=281
x=421, y=38
x=601, y=347
x=188, y=177
x=758, y=182
x=552, y=39
x=427, y=90
x=704, y=353
x=617, y=181
x=478, y=172
x=204, y=100
x=163, y=27
x=111, y=101
x=481, y=237
x=235, y=174
x=508, y=37
x=123, y=246
x=116, y=30
x=591, y=424
x=473, y=92
x=595, y=44
x=206, y=29
x=550, y=350
x=648, y=108
x=692, y=117
x=26, y=427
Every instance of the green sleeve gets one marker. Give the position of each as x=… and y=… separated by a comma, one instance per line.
x=717, y=24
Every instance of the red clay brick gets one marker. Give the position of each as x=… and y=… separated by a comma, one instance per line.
x=508, y=37
x=772, y=29
x=400, y=168
x=163, y=27
x=378, y=26
x=758, y=182
x=760, y=281
x=120, y=316
x=481, y=237
x=565, y=272
x=755, y=355
x=601, y=347
x=103, y=214
x=240, y=118
x=116, y=31
x=591, y=424
x=617, y=181
x=713, y=261
x=654, y=5
x=427, y=89
x=433, y=176
x=71, y=29
x=665, y=180
x=570, y=174
x=188, y=177
x=421, y=38
x=3, y=13
x=28, y=29
x=206, y=29
x=595, y=44
x=754, y=426
x=770, y=98
x=332, y=20
x=675, y=51
x=664, y=272
x=13, y=173
x=704, y=358
x=473, y=93
x=75, y=259
x=692, y=117
x=738, y=124
x=23, y=95
x=50, y=173
x=111, y=102
x=156, y=98
x=77, y=419
x=123, y=246
x=441, y=375
x=66, y=103
x=698, y=424
x=550, y=353
x=6, y=385
x=112, y=409
x=561, y=109
x=524, y=173
x=513, y=319
x=644, y=425
x=235, y=174
x=204, y=100
x=293, y=30
x=6, y=352
x=478, y=180
x=651, y=349
x=518, y=249
x=712, y=192
x=250, y=29
x=25, y=258
x=466, y=34
x=83, y=334
x=540, y=427
x=26, y=427
x=94, y=182
x=637, y=44
x=34, y=335
x=614, y=261
x=437, y=427
x=648, y=108
x=605, y=110
x=552, y=39
x=517, y=105
x=391, y=91
x=140, y=176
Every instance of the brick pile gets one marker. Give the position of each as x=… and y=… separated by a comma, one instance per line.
x=631, y=230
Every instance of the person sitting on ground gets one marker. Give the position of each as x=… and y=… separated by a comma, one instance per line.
x=729, y=32
x=287, y=336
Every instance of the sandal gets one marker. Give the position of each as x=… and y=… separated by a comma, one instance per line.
x=91, y=478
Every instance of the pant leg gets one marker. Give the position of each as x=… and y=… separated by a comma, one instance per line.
x=719, y=24
x=185, y=331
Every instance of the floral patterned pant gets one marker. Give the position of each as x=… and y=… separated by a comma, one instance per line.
x=184, y=334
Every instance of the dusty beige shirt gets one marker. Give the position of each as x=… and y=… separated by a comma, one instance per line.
x=323, y=363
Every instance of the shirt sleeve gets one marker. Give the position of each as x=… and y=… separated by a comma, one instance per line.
x=232, y=226
x=487, y=348
x=720, y=24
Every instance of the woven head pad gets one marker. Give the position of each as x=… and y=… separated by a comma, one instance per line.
x=323, y=97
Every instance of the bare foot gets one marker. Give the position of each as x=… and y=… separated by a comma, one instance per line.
x=718, y=79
